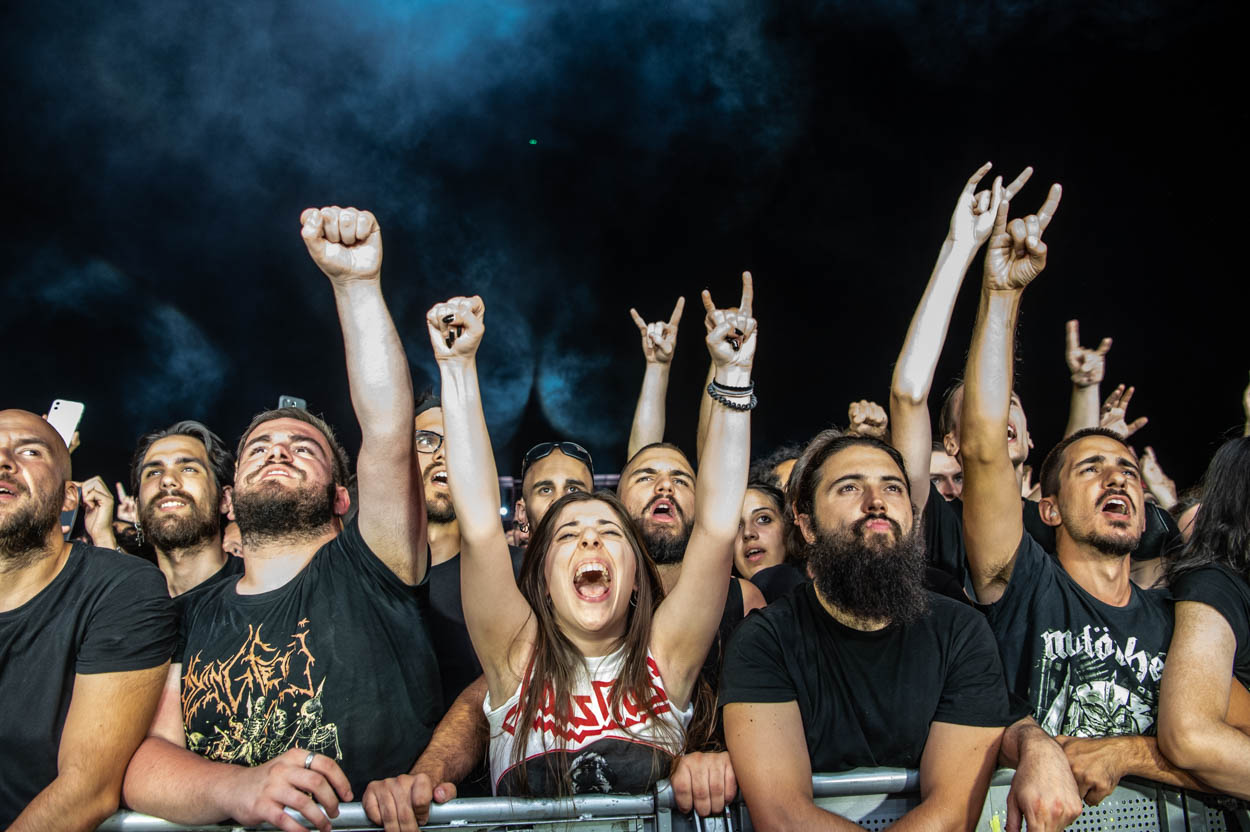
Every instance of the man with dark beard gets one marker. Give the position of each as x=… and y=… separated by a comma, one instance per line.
x=1079, y=641
x=865, y=667
x=85, y=637
x=310, y=679
x=180, y=476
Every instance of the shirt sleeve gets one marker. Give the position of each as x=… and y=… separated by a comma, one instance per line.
x=132, y=625
x=754, y=669
x=351, y=551
x=974, y=691
x=1217, y=589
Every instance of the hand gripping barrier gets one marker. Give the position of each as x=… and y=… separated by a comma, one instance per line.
x=872, y=797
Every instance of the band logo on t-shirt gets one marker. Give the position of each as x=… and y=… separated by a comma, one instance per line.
x=591, y=716
x=1091, y=686
x=259, y=703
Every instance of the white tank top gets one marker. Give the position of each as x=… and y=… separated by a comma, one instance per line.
x=605, y=754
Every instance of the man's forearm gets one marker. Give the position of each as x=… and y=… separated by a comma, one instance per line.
x=987, y=383
x=799, y=813
x=705, y=413
x=1083, y=410
x=918, y=359
x=176, y=784
x=377, y=369
x=459, y=741
x=649, y=414
x=70, y=804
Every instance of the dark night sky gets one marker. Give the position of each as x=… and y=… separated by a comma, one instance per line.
x=160, y=152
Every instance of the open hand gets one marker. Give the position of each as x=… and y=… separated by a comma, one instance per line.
x=456, y=327
x=731, y=332
x=659, y=339
x=345, y=243
x=1086, y=366
x=263, y=792
x=1016, y=253
x=1115, y=413
x=867, y=418
x=402, y=804
x=973, y=219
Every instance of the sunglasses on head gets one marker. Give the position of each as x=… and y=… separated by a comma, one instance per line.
x=571, y=449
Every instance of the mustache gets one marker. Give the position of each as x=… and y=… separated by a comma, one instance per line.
x=15, y=487
x=861, y=523
x=181, y=495
x=676, y=508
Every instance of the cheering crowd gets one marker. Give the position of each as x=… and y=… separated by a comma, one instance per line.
x=317, y=631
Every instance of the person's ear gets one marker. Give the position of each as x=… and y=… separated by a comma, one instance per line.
x=804, y=522
x=519, y=514
x=70, y=501
x=342, y=501
x=951, y=444
x=1048, y=508
x=226, y=503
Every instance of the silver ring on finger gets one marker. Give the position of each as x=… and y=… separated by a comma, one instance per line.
x=308, y=761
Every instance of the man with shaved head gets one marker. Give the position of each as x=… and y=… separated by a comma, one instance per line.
x=85, y=637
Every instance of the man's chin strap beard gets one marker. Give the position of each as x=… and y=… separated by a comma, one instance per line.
x=266, y=516
x=666, y=549
x=440, y=513
x=868, y=580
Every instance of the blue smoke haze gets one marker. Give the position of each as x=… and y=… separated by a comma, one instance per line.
x=163, y=151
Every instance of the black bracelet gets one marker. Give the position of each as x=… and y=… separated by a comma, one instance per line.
x=729, y=403
x=734, y=391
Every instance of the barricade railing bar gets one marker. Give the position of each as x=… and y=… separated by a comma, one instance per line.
x=872, y=797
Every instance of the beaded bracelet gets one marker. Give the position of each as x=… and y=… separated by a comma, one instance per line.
x=729, y=403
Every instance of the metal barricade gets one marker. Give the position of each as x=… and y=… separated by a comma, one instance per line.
x=873, y=798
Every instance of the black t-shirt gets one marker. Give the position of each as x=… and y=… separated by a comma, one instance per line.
x=1088, y=669
x=1220, y=587
x=457, y=661
x=337, y=661
x=778, y=581
x=105, y=612
x=868, y=699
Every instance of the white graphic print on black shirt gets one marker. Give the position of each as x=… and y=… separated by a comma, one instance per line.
x=1088, y=669
x=607, y=753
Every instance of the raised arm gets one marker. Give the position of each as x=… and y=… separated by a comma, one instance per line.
x=659, y=340
x=993, y=524
x=499, y=620
x=971, y=223
x=108, y=714
x=1087, y=368
x=346, y=244
x=686, y=621
x=1194, y=731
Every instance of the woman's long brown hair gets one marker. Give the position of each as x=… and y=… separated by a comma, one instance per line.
x=556, y=662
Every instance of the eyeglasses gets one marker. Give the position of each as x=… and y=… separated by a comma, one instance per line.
x=428, y=441
x=543, y=449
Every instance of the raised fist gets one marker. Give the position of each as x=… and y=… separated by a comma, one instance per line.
x=456, y=327
x=1016, y=253
x=345, y=243
x=659, y=339
x=1086, y=366
x=97, y=503
x=731, y=332
x=867, y=418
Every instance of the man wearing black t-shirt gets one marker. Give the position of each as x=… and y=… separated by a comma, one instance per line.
x=85, y=637
x=1078, y=639
x=178, y=477
x=311, y=677
x=865, y=667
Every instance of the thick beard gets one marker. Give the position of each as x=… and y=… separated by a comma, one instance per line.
x=867, y=578
x=24, y=534
x=173, y=533
x=270, y=512
x=439, y=511
x=666, y=548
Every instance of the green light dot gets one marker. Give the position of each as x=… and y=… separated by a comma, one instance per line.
x=533, y=141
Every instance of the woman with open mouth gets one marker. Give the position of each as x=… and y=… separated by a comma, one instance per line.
x=591, y=672
x=760, y=542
